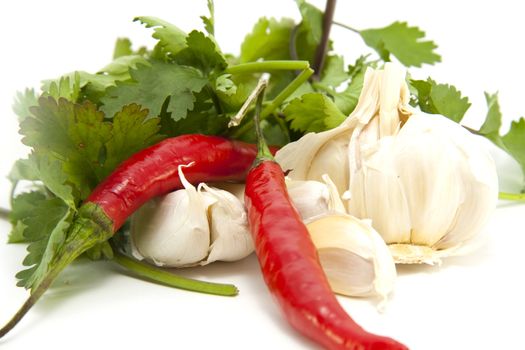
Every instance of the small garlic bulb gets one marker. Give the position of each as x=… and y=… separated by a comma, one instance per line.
x=353, y=255
x=191, y=227
x=173, y=230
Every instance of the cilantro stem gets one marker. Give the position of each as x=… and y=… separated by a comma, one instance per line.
x=4, y=214
x=277, y=101
x=346, y=27
x=169, y=279
x=320, y=54
x=266, y=66
x=512, y=196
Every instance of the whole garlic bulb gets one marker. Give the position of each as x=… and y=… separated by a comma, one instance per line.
x=353, y=255
x=424, y=181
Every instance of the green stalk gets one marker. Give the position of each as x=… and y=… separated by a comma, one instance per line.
x=266, y=66
x=88, y=230
x=512, y=196
x=4, y=214
x=278, y=100
x=263, y=152
x=164, y=277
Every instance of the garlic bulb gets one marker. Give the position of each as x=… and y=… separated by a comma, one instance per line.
x=424, y=181
x=173, y=230
x=191, y=227
x=353, y=255
x=230, y=236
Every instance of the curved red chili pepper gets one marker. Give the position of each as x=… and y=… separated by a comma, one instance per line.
x=154, y=171
x=291, y=268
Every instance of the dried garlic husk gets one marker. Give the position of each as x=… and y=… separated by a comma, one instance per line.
x=353, y=255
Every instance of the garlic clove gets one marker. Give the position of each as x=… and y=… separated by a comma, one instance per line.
x=353, y=255
x=173, y=230
x=231, y=239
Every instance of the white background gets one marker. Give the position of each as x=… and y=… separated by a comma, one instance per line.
x=472, y=302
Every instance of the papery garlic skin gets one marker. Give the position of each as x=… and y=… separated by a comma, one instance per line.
x=173, y=230
x=435, y=179
x=231, y=239
x=426, y=183
x=353, y=255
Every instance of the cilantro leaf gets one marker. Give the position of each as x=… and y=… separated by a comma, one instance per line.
x=120, y=67
x=269, y=40
x=122, y=48
x=201, y=52
x=224, y=84
x=313, y=112
x=153, y=85
x=312, y=22
x=22, y=207
x=67, y=86
x=441, y=99
x=514, y=141
x=131, y=132
x=333, y=73
x=402, y=41
x=209, y=22
x=171, y=38
x=46, y=225
x=75, y=146
x=23, y=102
x=492, y=123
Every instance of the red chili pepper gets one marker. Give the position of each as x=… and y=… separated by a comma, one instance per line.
x=290, y=264
x=154, y=171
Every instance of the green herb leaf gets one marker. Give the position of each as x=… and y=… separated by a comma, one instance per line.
x=402, y=41
x=201, y=52
x=269, y=40
x=171, y=38
x=67, y=86
x=333, y=73
x=312, y=22
x=441, y=99
x=313, y=112
x=224, y=84
x=153, y=85
x=514, y=141
x=122, y=48
x=46, y=228
x=75, y=145
x=23, y=102
x=492, y=123
x=209, y=22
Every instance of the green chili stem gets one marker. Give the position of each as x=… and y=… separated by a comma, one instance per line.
x=512, y=196
x=169, y=279
x=266, y=66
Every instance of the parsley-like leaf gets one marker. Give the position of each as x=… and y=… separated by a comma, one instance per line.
x=269, y=40
x=152, y=85
x=402, y=41
x=46, y=226
x=209, y=22
x=333, y=73
x=441, y=99
x=122, y=48
x=492, y=123
x=201, y=52
x=171, y=38
x=23, y=102
x=313, y=112
x=224, y=84
x=514, y=141
x=76, y=140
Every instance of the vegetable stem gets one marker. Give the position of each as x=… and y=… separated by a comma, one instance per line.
x=512, y=196
x=4, y=214
x=169, y=279
x=265, y=66
x=346, y=27
x=277, y=101
x=320, y=53
x=261, y=85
